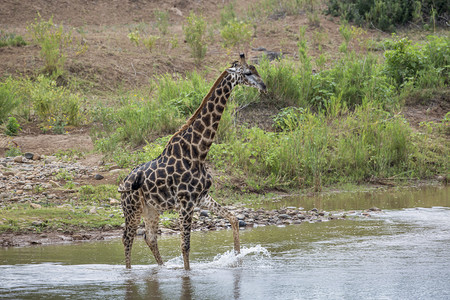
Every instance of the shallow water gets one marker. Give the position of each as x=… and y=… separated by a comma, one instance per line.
x=399, y=254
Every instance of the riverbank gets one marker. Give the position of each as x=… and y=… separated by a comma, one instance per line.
x=70, y=197
x=203, y=221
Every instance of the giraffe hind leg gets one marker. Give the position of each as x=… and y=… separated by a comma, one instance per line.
x=132, y=210
x=225, y=213
x=151, y=220
x=186, y=213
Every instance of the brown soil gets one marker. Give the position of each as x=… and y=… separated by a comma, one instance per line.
x=427, y=108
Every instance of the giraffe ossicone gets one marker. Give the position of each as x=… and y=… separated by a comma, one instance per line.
x=178, y=179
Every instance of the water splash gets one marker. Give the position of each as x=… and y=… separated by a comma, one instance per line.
x=227, y=259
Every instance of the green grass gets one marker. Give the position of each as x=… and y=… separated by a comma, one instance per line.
x=11, y=39
x=19, y=218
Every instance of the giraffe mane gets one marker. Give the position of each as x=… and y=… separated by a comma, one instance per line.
x=199, y=109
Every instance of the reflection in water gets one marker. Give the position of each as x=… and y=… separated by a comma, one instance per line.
x=237, y=283
x=426, y=196
x=186, y=288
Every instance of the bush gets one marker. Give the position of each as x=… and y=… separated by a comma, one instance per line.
x=10, y=39
x=185, y=94
x=236, y=34
x=44, y=99
x=12, y=127
x=194, y=32
x=387, y=14
x=8, y=100
x=133, y=121
x=367, y=142
x=53, y=41
x=427, y=64
x=162, y=21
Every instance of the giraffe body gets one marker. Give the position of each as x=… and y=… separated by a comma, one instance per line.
x=178, y=179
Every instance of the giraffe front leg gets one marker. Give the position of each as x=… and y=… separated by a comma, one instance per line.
x=186, y=213
x=225, y=213
x=151, y=220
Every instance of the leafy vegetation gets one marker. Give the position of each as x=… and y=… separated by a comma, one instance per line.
x=387, y=14
x=11, y=39
x=237, y=35
x=54, y=105
x=12, y=127
x=341, y=124
x=8, y=101
x=53, y=41
x=195, y=34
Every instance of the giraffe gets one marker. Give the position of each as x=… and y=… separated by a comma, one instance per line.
x=178, y=179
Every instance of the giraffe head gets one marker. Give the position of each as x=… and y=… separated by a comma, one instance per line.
x=246, y=74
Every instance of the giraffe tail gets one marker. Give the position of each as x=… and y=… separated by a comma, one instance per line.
x=132, y=183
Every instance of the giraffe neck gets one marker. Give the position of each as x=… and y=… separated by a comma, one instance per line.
x=194, y=141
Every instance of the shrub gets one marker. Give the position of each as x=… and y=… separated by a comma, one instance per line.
x=53, y=41
x=162, y=21
x=135, y=37
x=227, y=14
x=185, y=94
x=423, y=64
x=236, y=34
x=386, y=14
x=150, y=42
x=132, y=121
x=8, y=100
x=11, y=39
x=12, y=127
x=13, y=151
x=44, y=99
x=289, y=118
x=194, y=32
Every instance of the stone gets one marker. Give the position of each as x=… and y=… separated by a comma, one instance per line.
x=240, y=217
x=111, y=216
x=204, y=213
x=54, y=183
x=242, y=223
x=140, y=231
x=93, y=211
x=374, y=209
x=113, y=201
x=36, y=157
x=28, y=187
x=314, y=210
x=18, y=159
x=28, y=155
x=77, y=237
x=284, y=216
x=37, y=223
x=35, y=206
x=98, y=177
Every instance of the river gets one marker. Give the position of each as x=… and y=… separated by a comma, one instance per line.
x=401, y=253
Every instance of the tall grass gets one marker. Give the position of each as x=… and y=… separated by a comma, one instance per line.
x=43, y=99
x=368, y=142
